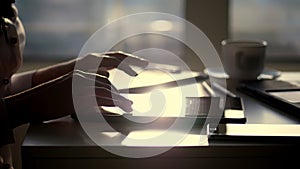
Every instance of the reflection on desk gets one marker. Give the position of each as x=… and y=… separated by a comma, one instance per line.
x=64, y=144
x=158, y=92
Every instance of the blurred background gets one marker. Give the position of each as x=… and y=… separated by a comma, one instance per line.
x=57, y=30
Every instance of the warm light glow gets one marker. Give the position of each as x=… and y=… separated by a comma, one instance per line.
x=161, y=25
x=110, y=134
x=159, y=102
x=164, y=138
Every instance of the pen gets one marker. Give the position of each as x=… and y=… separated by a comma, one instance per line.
x=223, y=89
x=208, y=89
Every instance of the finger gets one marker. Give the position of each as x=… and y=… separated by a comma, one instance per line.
x=109, y=62
x=102, y=60
x=1, y=160
x=101, y=92
x=100, y=71
x=124, y=105
x=102, y=100
x=108, y=113
x=80, y=90
x=109, y=85
x=103, y=73
x=130, y=58
x=93, y=79
x=90, y=74
x=107, y=98
x=127, y=69
x=112, y=62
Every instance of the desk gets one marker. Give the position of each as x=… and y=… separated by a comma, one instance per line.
x=63, y=144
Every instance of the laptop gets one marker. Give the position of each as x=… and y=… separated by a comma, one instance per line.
x=281, y=94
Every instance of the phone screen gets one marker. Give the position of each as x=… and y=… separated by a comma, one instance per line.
x=290, y=96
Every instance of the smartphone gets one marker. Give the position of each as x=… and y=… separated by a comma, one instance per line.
x=232, y=111
x=282, y=95
x=255, y=132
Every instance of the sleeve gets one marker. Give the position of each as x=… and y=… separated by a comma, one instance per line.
x=5, y=129
x=21, y=81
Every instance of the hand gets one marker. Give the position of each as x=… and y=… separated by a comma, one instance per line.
x=105, y=93
x=110, y=60
x=54, y=99
x=90, y=63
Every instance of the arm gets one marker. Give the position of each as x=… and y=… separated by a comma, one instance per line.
x=54, y=99
x=109, y=60
x=106, y=62
x=50, y=100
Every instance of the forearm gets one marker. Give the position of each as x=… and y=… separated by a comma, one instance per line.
x=26, y=80
x=52, y=72
x=47, y=101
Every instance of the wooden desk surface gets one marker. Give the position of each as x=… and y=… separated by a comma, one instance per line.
x=63, y=144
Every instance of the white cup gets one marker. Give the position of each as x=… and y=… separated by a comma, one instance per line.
x=243, y=59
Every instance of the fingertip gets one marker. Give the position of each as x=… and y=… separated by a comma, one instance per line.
x=129, y=71
x=128, y=109
x=134, y=74
x=144, y=62
x=127, y=106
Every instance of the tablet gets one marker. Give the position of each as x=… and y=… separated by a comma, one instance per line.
x=283, y=95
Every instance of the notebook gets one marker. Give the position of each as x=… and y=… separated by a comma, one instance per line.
x=283, y=95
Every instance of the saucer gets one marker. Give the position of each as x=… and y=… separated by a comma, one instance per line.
x=217, y=72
